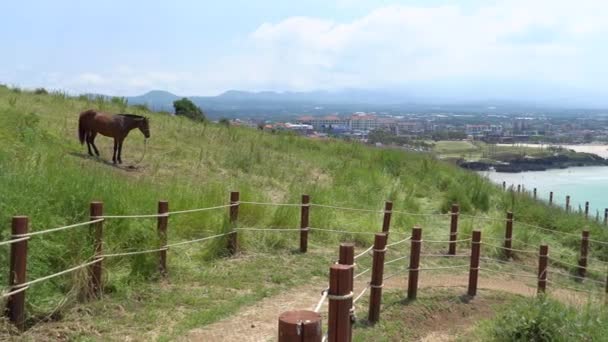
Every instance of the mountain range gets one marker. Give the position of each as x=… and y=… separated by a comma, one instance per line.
x=272, y=105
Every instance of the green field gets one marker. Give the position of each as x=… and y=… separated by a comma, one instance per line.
x=46, y=174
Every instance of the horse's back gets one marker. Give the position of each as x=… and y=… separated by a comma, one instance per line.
x=100, y=122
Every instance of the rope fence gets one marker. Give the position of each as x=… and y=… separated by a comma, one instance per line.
x=20, y=236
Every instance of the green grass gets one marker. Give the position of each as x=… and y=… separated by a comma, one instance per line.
x=545, y=319
x=46, y=174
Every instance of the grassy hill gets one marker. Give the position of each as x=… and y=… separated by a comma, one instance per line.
x=46, y=174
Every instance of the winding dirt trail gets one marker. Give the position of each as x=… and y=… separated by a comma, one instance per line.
x=259, y=322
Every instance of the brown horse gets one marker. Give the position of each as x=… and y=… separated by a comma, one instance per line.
x=116, y=126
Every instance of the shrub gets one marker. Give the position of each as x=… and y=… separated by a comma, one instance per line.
x=188, y=109
x=40, y=91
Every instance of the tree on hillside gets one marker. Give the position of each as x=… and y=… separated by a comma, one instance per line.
x=188, y=109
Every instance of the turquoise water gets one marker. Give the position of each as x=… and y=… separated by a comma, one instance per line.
x=581, y=183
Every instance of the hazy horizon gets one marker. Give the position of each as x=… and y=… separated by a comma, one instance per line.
x=530, y=51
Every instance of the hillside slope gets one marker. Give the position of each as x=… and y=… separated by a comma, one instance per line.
x=46, y=174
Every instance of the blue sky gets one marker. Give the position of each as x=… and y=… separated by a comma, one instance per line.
x=486, y=48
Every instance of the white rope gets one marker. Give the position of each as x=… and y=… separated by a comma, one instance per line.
x=59, y=228
x=395, y=260
x=564, y=263
x=510, y=249
x=596, y=259
x=398, y=242
x=438, y=268
x=321, y=301
x=130, y=216
x=547, y=229
x=487, y=218
x=364, y=252
x=340, y=297
x=133, y=253
x=598, y=241
x=340, y=231
x=419, y=214
x=568, y=287
x=507, y=263
x=8, y=242
x=275, y=204
x=202, y=209
x=446, y=255
x=346, y=208
x=271, y=229
x=511, y=274
x=578, y=277
x=441, y=241
x=32, y=282
x=198, y=240
x=362, y=273
x=361, y=294
x=14, y=292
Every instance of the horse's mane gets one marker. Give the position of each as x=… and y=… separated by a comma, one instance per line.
x=133, y=116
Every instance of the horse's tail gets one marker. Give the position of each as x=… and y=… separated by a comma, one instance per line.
x=81, y=131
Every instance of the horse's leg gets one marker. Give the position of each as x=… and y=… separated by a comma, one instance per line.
x=88, y=143
x=120, y=151
x=115, y=150
x=92, y=137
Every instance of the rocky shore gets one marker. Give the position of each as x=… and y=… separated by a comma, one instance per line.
x=520, y=164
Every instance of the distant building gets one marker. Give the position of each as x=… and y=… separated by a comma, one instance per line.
x=363, y=122
x=322, y=122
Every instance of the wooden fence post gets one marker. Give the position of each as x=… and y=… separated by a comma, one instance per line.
x=567, y=203
x=304, y=223
x=509, y=235
x=388, y=210
x=96, y=288
x=453, y=229
x=504, y=186
x=375, y=296
x=542, y=268
x=347, y=257
x=339, y=322
x=474, y=266
x=347, y=254
x=587, y=209
x=18, y=268
x=300, y=326
x=582, y=261
x=551, y=198
x=534, y=193
x=416, y=241
x=518, y=188
x=233, y=242
x=605, y=216
x=161, y=225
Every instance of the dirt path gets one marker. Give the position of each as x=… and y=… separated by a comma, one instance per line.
x=259, y=322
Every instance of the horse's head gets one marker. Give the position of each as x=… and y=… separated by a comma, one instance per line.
x=144, y=126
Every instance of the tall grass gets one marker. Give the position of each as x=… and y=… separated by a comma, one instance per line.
x=545, y=319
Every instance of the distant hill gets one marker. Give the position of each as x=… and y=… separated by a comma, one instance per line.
x=273, y=105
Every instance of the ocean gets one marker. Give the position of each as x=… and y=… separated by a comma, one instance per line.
x=581, y=183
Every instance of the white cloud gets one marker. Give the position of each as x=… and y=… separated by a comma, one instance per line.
x=546, y=41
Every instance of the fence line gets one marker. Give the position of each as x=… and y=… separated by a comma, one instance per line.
x=363, y=253
x=133, y=253
x=9, y=242
x=398, y=242
x=32, y=282
x=510, y=249
x=98, y=219
x=272, y=204
x=40, y=232
x=346, y=208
